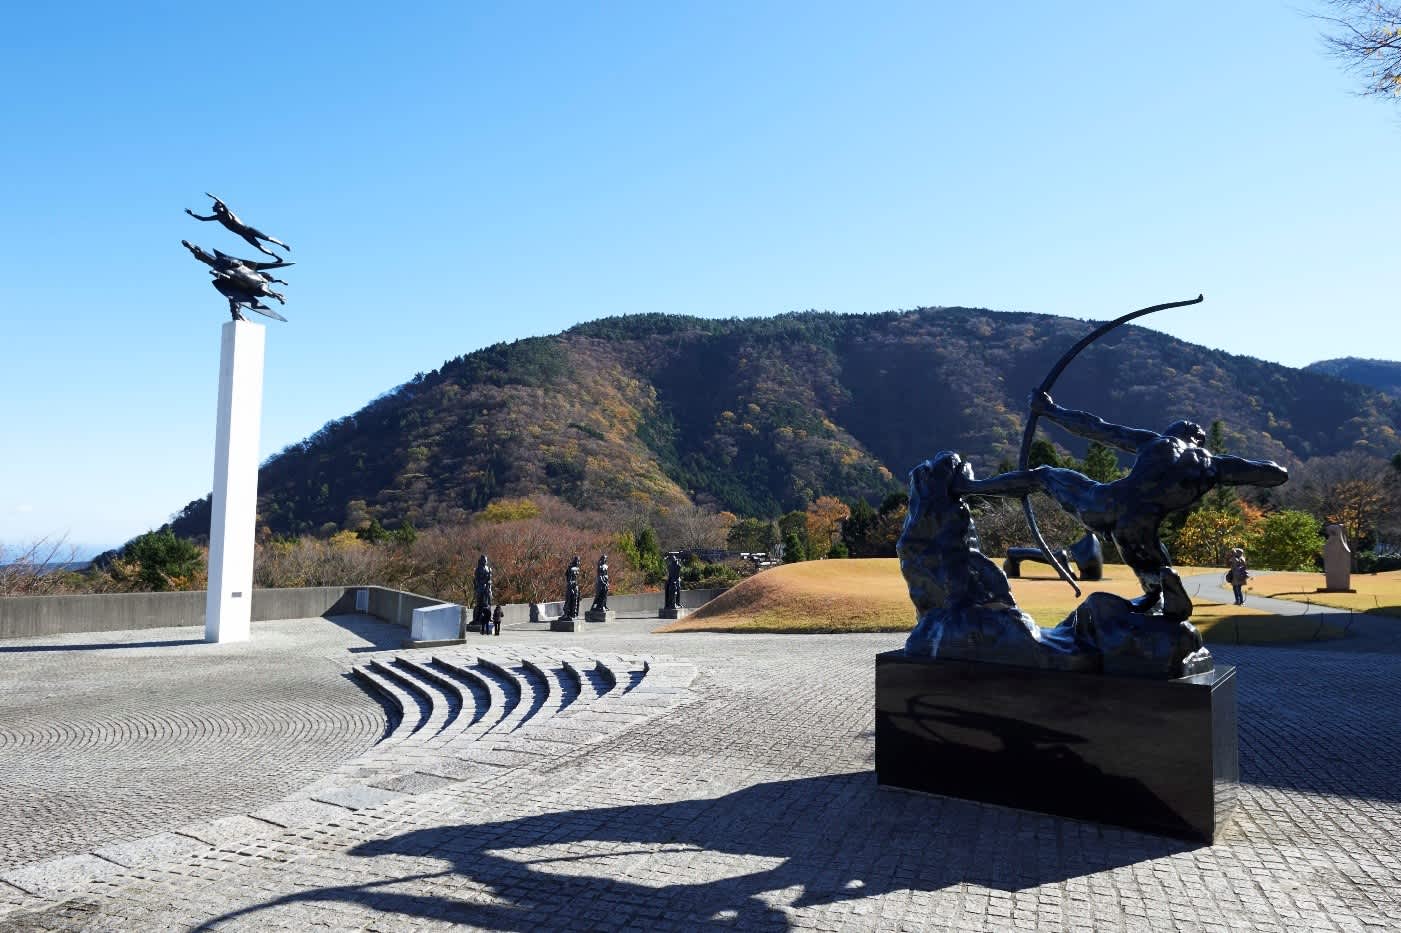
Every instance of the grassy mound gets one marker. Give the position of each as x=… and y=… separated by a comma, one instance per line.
x=869, y=595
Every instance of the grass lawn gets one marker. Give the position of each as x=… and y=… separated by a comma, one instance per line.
x=1377, y=593
x=869, y=595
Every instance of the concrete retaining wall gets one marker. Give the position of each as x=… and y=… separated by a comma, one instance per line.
x=635, y=604
x=25, y=616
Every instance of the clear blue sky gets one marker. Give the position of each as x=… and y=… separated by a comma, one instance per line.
x=453, y=174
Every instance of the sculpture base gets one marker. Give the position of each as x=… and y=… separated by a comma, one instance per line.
x=564, y=625
x=1159, y=756
x=1324, y=589
x=600, y=615
x=439, y=643
x=665, y=613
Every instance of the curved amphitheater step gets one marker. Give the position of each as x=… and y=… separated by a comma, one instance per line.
x=457, y=715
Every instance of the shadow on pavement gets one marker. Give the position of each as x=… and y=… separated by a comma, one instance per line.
x=381, y=635
x=100, y=646
x=729, y=860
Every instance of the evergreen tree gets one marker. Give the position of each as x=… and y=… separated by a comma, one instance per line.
x=1222, y=498
x=794, y=551
x=1043, y=453
x=859, y=530
x=1101, y=463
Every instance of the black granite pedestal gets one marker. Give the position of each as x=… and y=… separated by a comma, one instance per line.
x=564, y=625
x=1160, y=756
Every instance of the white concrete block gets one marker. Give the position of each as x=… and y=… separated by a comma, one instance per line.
x=229, y=605
x=436, y=623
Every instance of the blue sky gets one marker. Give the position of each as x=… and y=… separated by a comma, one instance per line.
x=451, y=175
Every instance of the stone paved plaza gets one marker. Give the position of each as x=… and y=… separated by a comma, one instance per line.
x=625, y=780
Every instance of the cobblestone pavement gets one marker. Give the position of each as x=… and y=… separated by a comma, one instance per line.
x=108, y=736
x=732, y=787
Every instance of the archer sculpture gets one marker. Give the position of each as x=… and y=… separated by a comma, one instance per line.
x=965, y=605
x=1172, y=472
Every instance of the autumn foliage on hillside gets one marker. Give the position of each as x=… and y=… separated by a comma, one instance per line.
x=764, y=417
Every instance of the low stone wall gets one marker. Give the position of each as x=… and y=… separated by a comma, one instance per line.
x=26, y=616
x=628, y=605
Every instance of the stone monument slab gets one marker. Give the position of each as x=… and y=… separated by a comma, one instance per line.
x=442, y=622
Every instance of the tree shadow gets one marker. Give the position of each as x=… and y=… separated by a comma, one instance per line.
x=733, y=860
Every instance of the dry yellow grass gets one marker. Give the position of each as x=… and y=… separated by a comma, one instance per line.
x=1377, y=593
x=869, y=595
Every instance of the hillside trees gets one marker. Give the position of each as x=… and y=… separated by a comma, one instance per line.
x=1359, y=491
x=753, y=535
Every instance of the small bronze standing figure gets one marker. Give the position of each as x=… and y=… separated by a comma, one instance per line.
x=571, y=590
x=231, y=222
x=673, y=581
x=482, y=596
x=600, y=586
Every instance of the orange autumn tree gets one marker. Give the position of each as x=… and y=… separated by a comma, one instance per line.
x=824, y=521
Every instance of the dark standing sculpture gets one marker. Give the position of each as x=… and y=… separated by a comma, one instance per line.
x=673, y=581
x=571, y=590
x=243, y=282
x=231, y=222
x=483, y=597
x=600, y=586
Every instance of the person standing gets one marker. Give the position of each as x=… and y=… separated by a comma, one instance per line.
x=1237, y=574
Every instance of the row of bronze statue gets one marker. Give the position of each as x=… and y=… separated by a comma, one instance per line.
x=484, y=599
x=243, y=282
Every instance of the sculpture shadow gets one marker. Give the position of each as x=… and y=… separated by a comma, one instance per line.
x=101, y=646
x=811, y=842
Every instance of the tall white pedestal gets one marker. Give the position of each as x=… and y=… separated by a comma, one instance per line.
x=228, y=608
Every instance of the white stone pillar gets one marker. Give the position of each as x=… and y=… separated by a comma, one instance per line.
x=228, y=607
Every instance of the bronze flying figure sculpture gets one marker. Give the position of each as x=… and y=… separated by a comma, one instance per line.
x=242, y=295
x=220, y=261
x=231, y=221
x=243, y=282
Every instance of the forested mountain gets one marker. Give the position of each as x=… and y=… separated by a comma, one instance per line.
x=1377, y=374
x=760, y=416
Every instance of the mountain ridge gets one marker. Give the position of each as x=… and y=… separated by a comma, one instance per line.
x=1383, y=375
x=762, y=415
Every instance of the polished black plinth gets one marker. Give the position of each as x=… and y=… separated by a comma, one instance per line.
x=1160, y=756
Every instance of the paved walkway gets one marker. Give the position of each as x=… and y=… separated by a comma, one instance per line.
x=1365, y=632
x=614, y=779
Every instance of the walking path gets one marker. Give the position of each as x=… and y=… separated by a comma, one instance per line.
x=1364, y=632
x=615, y=779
